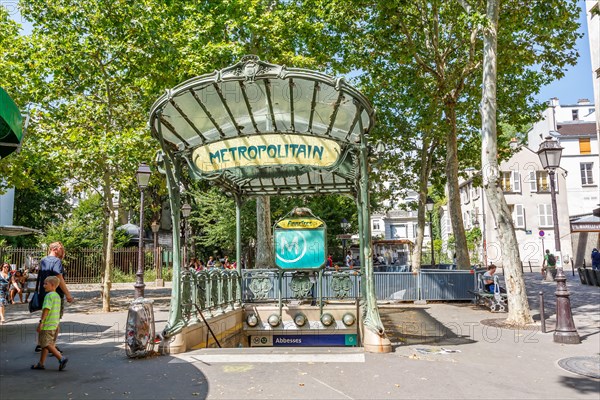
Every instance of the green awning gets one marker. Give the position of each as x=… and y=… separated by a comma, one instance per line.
x=11, y=125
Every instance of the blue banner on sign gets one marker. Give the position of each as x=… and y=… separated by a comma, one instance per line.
x=314, y=340
x=299, y=248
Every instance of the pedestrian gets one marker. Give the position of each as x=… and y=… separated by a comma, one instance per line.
x=227, y=263
x=17, y=284
x=49, y=324
x=51, y=265
x=4, y=285
x=329, y=262
x=210, y=263
x=596, y=259
x=488, y=279
x=349, y=260
x=549, y=264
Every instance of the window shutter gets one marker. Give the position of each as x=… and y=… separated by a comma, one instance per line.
x=516, y=184
x=584, y=146
x=532, y=181
x=519, y=216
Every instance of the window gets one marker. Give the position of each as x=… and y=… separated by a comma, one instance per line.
x=511, y=181
x=587, y=177
x=545, y=215
x=584, y=146
x=575, y=114
x=375, y=225
x=399, y=231
x=467, y=220
x=540, y=183
x=519, y=216
x=464, y=194
x=475, y=192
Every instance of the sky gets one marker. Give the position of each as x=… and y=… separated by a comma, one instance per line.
x=577, y=82
x=575, y=85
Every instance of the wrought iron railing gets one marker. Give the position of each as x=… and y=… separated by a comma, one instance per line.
x=212, y=292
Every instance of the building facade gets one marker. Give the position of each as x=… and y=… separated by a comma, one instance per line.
x=526, y=189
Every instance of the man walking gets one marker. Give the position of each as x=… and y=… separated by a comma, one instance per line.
x=51, y=265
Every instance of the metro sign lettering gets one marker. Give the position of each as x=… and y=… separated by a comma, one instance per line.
x=299, y=248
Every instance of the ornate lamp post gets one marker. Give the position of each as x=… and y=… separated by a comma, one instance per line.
x=345, y=225
x=155, y=228
x=143, y=178
x=550, y=153
x=186, y=210
x=429, y=205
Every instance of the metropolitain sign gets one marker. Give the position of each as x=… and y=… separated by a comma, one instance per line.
x=267, y=149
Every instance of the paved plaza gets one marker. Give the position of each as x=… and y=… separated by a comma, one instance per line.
x=441, y=350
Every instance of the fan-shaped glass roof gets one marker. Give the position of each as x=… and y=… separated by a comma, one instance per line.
x=258, y=128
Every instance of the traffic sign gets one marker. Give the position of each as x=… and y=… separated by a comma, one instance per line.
x=542, y=233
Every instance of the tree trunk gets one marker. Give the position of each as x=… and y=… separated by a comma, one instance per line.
x=458, y=229
x=264, y=242
x=109, y=242
x=424, y=172
x=518, y=305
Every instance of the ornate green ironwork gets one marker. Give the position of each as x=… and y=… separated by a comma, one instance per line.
x=341, y=285
x=300, y=285
x=260, y=285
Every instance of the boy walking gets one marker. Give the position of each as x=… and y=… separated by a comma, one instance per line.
x=49, y=324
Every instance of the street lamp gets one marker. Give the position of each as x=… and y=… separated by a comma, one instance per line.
x=143, y=178
x=155, y=228
x=186, y=210
x=429, y=205
x=345, y=225
x=565, y=332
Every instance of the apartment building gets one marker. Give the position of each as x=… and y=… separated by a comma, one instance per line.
x=526, y=187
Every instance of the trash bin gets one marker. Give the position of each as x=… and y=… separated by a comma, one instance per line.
x=139, y=332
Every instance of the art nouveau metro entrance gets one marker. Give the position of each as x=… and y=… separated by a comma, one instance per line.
x=260, y=129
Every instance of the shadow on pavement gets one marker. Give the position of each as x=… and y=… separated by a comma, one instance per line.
x=581, y=384
x=98, y=367
x=410, y=326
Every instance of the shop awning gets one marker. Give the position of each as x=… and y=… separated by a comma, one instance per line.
x=11, y=125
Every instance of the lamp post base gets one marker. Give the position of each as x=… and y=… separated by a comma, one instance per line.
x=565, y=332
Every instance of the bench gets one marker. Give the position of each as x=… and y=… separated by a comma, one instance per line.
x=495, y=301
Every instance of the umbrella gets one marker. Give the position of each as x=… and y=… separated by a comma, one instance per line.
x=11, y=125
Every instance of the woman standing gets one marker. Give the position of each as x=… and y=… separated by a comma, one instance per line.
x=4, y=284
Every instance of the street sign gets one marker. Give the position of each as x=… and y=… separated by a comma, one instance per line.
x=542, y=233
x=299, y=243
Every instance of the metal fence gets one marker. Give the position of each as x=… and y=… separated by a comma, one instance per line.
x=85, y=265
x=425, y=285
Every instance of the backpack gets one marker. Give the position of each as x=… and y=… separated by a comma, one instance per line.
x=551, y=260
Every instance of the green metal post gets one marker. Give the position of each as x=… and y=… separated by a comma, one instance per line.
x=372, y=320
x=238, y=233
x=175, y=322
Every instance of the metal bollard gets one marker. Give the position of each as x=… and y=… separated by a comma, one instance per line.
x=542, y=316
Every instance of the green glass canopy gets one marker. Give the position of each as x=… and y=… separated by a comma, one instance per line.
x=11, y=125
x=263, y=129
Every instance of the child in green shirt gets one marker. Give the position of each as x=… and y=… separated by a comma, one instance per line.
x=49, y=324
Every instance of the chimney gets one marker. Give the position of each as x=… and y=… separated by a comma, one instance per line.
x=583, y=101
x=513, y=143
x=554, y=102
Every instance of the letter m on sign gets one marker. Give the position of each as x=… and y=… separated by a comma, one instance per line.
x=284, y=245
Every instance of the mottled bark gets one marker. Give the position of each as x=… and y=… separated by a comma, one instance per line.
x=264, y=240
x=518, y=305
x=454, y=207
x=424, y=172
x=109, y=242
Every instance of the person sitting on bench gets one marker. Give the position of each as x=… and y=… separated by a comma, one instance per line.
x=488, y=280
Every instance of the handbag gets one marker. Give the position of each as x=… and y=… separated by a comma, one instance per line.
x=36, y=300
